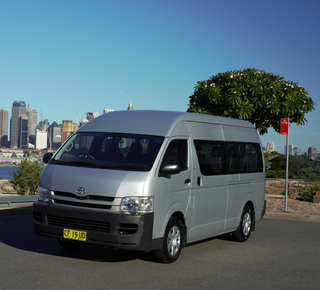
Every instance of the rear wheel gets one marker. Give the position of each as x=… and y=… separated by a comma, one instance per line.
x=172, y=242
x=242, y=233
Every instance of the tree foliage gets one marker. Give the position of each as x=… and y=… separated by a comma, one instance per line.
x=26, y=179
x=257, y=96
x=300, y=167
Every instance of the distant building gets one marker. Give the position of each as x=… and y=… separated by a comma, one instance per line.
x=67, y=129
x=291, y=149
x=23, y=141
x=130, y=107
x=54, y=130
x=32, y=124
x=4, y=127
x=92, y=115
x=312, y=151
x=43, y=125
x=18, y=110
x=83, y=122
x=41, y=139
x=107, y=111
x=270, y=146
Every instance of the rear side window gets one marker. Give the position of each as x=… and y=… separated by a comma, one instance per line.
x=232, y=157
x=211, y=157
x=219, y=157
x=250, y=159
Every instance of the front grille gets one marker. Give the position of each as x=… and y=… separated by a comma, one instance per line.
x=86, y=197
x=94, y=201
x=66, y=222
x=81, y=204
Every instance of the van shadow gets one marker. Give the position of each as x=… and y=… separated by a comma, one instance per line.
x=225, y=237
x=17, y=232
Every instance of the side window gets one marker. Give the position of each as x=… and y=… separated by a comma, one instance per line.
x=243, y=158
x=250, y=159
x=232, y=158
x=177, y=151
x=254, y=158
x=211, y=157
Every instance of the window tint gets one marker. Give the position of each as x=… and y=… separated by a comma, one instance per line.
x=211, y=157
x=177, y=151
x=110, y=150
x=232, y=157
x=218, y=157
x=250, y=159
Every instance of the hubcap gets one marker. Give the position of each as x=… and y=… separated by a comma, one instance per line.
x=173, y=241
x=246, y=224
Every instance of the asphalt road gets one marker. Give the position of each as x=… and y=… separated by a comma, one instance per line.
x=280, y=254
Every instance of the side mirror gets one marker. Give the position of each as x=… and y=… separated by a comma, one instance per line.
x=47, y=156
x=170, y=168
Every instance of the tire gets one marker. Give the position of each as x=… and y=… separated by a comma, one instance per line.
x=172, y=242
x=242, y=233
x=69, y=245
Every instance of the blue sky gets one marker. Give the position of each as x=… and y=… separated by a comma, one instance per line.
x=69, y=57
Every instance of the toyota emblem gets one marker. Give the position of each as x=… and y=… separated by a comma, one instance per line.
x=81, y=190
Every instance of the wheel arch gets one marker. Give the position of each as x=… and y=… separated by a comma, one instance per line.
x=251, y=205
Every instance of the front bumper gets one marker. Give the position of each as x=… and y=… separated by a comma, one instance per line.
x=117, y=230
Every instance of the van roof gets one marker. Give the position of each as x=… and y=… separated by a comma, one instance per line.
x=149, y=122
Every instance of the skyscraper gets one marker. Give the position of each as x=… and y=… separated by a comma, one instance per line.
x=312, y=151
x=23, y=141
x=32, y=124
x=270, y=146
x=18, y=110
x=291, y=149
x=4, y=127
x=53, y=131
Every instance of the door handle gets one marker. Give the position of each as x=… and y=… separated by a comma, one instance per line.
x=188, y=180
x=199, y=181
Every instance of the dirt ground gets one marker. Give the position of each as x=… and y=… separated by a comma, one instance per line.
x=275, y=189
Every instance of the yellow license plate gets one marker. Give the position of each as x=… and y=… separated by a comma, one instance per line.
x=74, y=235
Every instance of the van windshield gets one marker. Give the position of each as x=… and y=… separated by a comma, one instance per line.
x=109, y=150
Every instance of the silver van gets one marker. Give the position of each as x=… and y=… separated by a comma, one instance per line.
x=152, y=181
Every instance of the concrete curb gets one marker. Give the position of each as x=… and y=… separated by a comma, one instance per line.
x=292, y=217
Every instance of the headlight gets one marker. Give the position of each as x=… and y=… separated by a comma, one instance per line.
x=44, y=194
x=137, y=204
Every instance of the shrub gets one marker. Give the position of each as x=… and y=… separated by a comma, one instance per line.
x=26, y=180
x=308, y=193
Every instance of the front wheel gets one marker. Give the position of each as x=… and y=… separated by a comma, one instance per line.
x=242, y=233
x=172, y=242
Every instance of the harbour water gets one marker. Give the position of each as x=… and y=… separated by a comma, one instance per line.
x=6, y=171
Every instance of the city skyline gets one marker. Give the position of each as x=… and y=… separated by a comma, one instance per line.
x=70, y=57
x=269, y=146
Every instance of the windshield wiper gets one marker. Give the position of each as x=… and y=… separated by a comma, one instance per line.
x=76, y=163
x=129, y=166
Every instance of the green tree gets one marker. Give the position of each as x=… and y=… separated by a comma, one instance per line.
x=26, y=179
x=300, y=167
x=257, y=96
